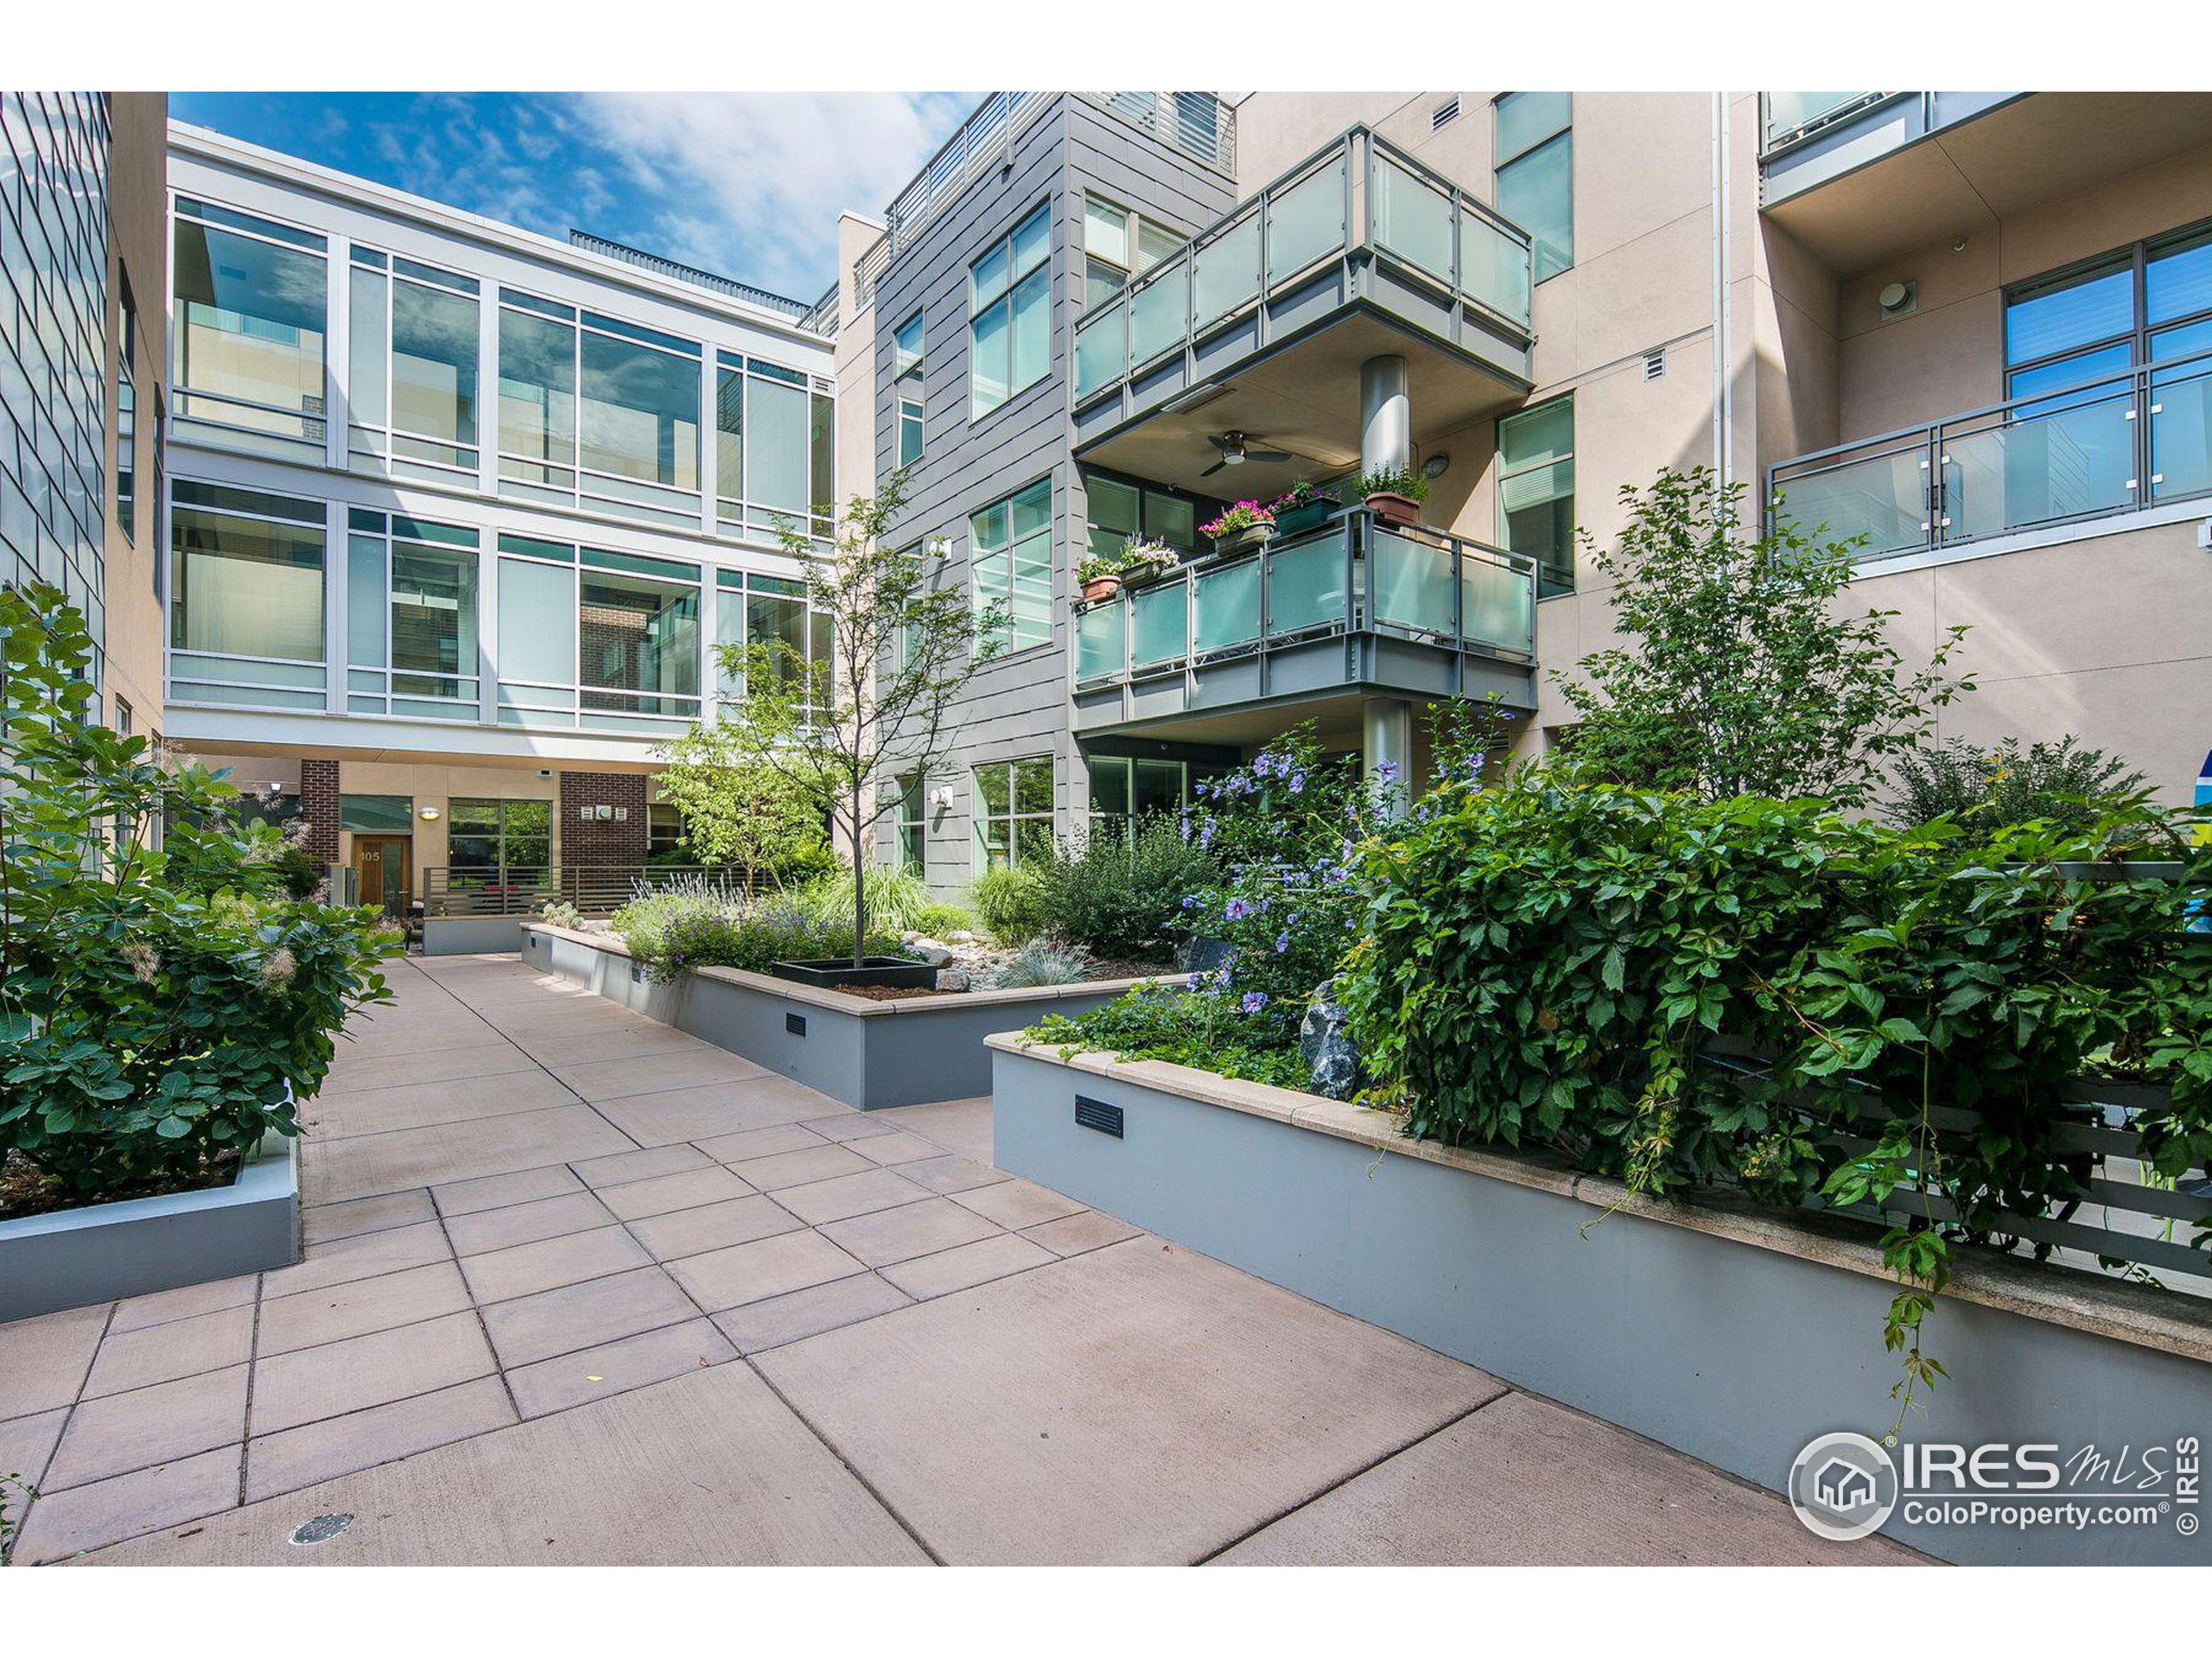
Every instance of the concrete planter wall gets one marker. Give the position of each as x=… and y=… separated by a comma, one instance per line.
x=866, y=1054
x=1733, y=1334
x=106, y=1251
x=471, y=936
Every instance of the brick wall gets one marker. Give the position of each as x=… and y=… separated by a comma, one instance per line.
x=602, y=840
x=319, y=805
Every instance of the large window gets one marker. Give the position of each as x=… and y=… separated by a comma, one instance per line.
x=1012, y=813
x=1010, y=314
x=126, y=419
x=775, y=450
x=516, y=836
x=1010, y=568
x=1124, y=791
x=906, y=381
x=753, y=610
x=637, y=635
x=1120, y=509
x=1535, y=173
x=246, y=624
x=250, y=310
x=1117, y=245
x=2077, y=450
x=1535, y=491
x=590, y=637
x=411, y=618
x=411, y=390
x=914, y=823
x=597, y=410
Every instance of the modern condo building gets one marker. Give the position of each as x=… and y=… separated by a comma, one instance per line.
x=457, y=514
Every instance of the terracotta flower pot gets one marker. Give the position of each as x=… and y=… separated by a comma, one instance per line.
x=1101, y=587
x=1394, y=509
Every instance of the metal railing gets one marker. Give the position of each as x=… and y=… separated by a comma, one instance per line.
x=1357, y=198
x=524, y=890
x=1199, y=124
x=1350, y=575
x=798, y=310
x=1787, y=118
x=2119, y=443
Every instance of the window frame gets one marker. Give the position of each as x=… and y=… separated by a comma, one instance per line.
x=371, y=688
x=313, y=437
x=282, y=683
x=1502, y=164
x=911, y=821
x=1011, y=639
x=392, y=270
x=501, y=835
x=1546, y=576
x=1002, y=303
x=2136, y=258
x=1015, y=817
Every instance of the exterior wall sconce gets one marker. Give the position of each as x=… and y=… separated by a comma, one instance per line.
x=430, y=815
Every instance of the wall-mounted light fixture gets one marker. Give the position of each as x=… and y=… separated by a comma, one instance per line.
x=940, y=800
x=1435, y=467
x=430, y=815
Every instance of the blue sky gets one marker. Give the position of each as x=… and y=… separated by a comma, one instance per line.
x=748, y=184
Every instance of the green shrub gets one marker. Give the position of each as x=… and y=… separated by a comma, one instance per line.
x=1546, y=964
x=561, y=914
x=2068, y=787
x=938, y=920
x=1159, y=1022
x=155, y=1002
x=1125, y=899
x=699, y=924
x=1045, y=962
x=895, y=897
x=1011, y=902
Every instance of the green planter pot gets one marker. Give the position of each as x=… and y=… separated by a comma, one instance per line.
x=1293, y=521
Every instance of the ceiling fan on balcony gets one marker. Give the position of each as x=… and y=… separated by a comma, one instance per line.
x=1237, y=448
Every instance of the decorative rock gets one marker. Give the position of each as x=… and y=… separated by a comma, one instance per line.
x=928, y=950
x=1326, y=1045
x=952, y=979
x=961, y=937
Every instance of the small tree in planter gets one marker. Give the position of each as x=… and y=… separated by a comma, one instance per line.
x=901, y=643
x=1745, y=675
x=740, y=813
x=157, y=1002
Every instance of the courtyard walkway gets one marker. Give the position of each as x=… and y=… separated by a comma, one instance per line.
x=582, y=1289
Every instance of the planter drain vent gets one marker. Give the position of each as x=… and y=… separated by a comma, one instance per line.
x=795, y=1024
x=322, y=1529
x=1097, y=1114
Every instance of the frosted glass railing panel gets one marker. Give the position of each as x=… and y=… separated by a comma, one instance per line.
x=1227, y=606
x=1413, y=584
x=1160, y=624
x=1493, y=266
x=1226, y=273
x=2071, y=461
x=1160, y=313
x=1883, y=499
x=1306, y=586
x=1306, y=222
x=1098, y=642
x=1098, y=360
x=1412, y=219
x=1497, y=604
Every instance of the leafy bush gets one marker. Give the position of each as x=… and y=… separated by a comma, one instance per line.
x=1159, y=1022
x=938, y=920
x=155, y=1002
x=1045, y=962
x=895, y=897
x=2068, y=787
x=1011, y=902
x=561, y=914
x=700, y=925
x=1125, y=899
x=1547, y=964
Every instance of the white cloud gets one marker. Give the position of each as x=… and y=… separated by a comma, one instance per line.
x=752, y=183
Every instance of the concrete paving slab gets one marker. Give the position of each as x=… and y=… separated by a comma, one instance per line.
x=338, y=1377
x=1525, y=1482
x=362, y=1256
x=646, y=1164
x=483, y=1230
x=161, y=1353
x=123, y=1431
x=27, y=1442
x=655, y=1074
x=457, y=1151
x=419, y=1105
x=354, y=1309
x=1074, y=1235
x=185, y=1302
x=896, y=1147
x=961, y=1125
x=714, y=1110
x=552, y=1050
x=295, y=1457
x=43, y=1362
x=525, y=1269
x=951, y=1173
x=492, y=1057
x=685, y=1190
x=707, y=1468
x=583, y=1316
x=499, y=1192
x=850, y=1195
x=1137, y=1404
x=712, y=1227
x=749, y=1144
x=612, y=1368
x=61, y=1524
x=325, y=1223
x=808, y=1312
x=882, y=1236
x=1018, y=1204
x=820, y=1162
x=965, y=1265
x=765, y=1268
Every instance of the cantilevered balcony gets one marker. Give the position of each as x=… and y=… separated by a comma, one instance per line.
x=1260, y=323
x=1861, y=177
x=2114, y=446
x=1311, y=626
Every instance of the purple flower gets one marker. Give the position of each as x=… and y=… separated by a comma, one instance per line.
x=1387, y=771
x=1298, y=783
x=1238, y=909
x=1282, y=942
x=1191, y=902
x=1254, y=1001
x=1205, y=834
x=1186, y=826
x=1192, y=983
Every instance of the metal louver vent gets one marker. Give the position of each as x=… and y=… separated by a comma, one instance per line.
x=1445, y=113
x=1654, y=363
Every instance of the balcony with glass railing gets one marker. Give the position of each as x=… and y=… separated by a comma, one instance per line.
x=2111, y=446
x=1264, y=317
x=1350, y=610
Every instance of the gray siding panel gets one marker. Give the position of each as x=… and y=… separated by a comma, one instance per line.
x=1015, y=708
